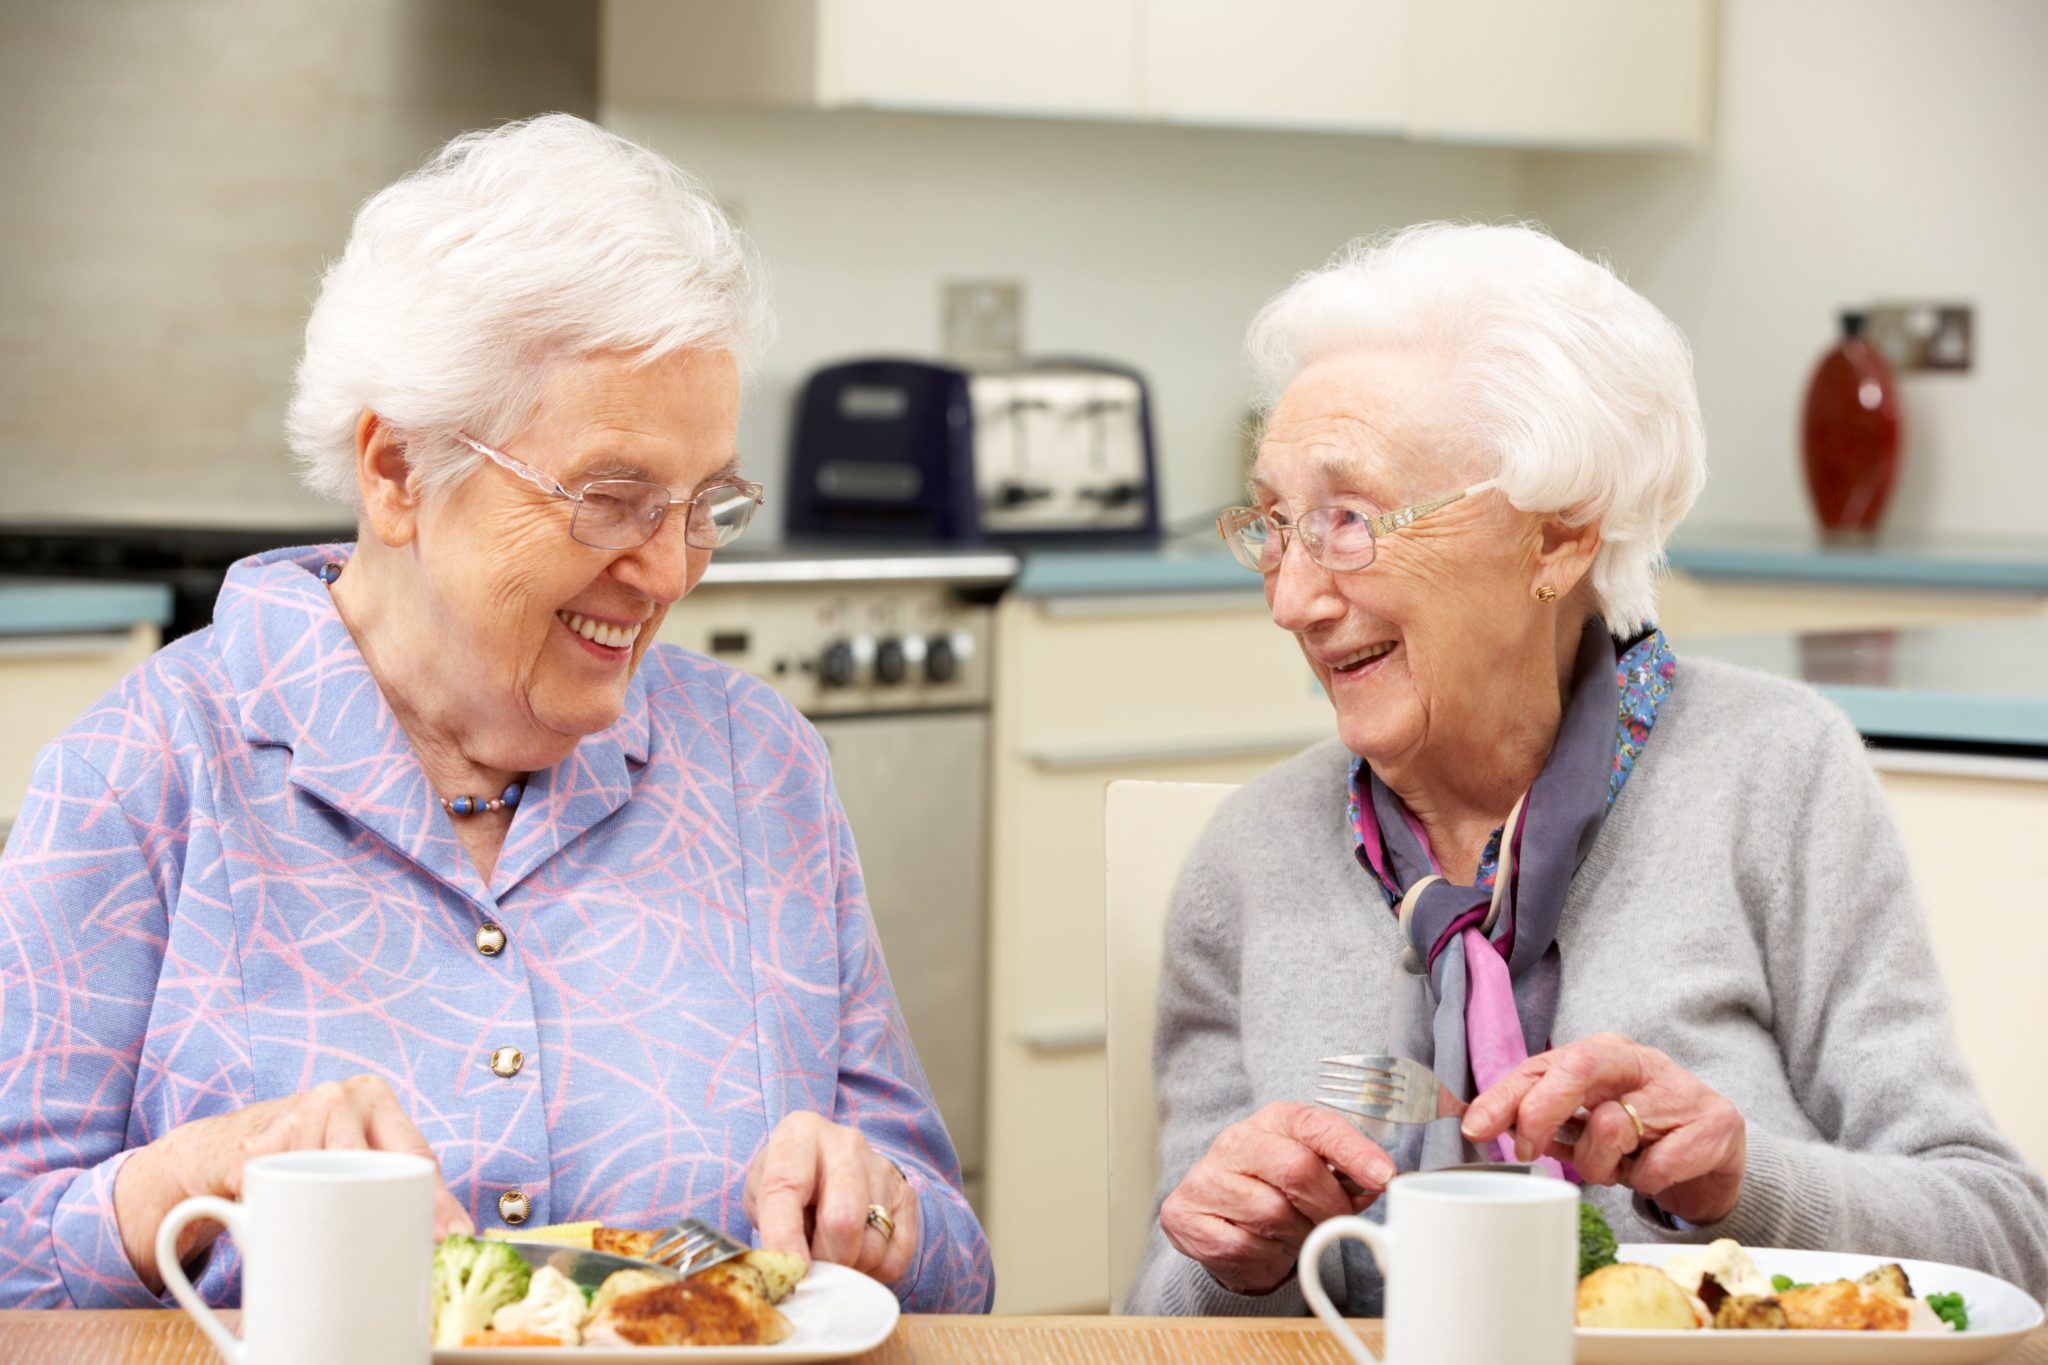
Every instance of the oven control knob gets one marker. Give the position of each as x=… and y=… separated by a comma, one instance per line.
x=835, y=665
x=890, y=664
x=941, y=664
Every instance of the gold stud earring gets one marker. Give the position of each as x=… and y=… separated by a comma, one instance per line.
x=1546, y=593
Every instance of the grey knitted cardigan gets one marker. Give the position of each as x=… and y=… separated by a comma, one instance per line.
x=1747, y=909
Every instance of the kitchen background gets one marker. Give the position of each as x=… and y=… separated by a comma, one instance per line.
x=1146, y=173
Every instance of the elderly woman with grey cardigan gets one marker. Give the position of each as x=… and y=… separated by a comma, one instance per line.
x=1575, y=873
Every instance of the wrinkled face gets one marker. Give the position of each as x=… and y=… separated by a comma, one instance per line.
x=1420, y=651
x=514, y=597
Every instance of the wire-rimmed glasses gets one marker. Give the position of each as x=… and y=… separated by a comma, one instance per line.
x=622, y=514
x=1341, y=539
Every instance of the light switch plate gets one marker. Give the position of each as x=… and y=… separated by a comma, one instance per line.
x=981, y=322
x=1923, y=336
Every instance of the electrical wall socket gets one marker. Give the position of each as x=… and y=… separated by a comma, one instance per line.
x=1923, y=336
x=982, y=321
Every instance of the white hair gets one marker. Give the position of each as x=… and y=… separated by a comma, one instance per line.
x=1574, y=389
x=512, y=248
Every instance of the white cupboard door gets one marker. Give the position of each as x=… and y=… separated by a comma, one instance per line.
x=1052, y=57
x=1338, y=65
x=1563, y=73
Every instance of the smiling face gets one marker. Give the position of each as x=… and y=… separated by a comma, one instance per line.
x=536, y=632
x=1437, y=646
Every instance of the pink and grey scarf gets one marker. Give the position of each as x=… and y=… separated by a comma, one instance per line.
x=1478, y=982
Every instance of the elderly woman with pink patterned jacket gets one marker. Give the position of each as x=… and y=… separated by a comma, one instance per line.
x=425, y=845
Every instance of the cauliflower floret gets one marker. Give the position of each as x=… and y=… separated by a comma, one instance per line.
x=1727, y=1262
x=553, y=1307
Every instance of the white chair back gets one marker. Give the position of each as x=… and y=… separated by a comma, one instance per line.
x=1148, y=829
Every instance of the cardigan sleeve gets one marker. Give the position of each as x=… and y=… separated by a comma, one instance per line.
x=85, y=929
x=1911, y=1156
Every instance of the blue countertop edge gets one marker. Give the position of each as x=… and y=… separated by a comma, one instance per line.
x=54, y=606
x=1875, y=567
x=1073, y=573
x=1881, y=713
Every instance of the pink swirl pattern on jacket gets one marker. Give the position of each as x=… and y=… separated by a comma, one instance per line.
x=231, y=882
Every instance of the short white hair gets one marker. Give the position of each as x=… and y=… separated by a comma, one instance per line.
x=510, y=249
x=1573, y=387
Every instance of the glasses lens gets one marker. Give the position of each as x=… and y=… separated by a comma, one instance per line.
x=1250, y=536
x=1342, y=538
x=618, y=514
x=719, y=515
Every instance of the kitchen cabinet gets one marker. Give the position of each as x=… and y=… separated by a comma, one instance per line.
x=1171, y=686
x=1972, y=828
x=1568, y=73
x=45, y=682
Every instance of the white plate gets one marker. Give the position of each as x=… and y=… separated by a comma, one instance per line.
x=2001, y=1315
x=836, y=1312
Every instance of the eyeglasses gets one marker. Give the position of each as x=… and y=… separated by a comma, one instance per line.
x=1341, y=539
x=621, y=514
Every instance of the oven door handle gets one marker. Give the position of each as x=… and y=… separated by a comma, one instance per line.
x=1059, y=1040
x=1208, y=749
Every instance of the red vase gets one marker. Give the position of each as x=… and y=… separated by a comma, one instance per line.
x=1851, y=432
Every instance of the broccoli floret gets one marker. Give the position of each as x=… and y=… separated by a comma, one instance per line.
x=1949, y=1308
x=1596, y=1240
x=473, y=1278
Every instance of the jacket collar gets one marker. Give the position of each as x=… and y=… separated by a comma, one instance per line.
x=302, y=685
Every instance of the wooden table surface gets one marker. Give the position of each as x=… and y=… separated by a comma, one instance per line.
x=170, y=1338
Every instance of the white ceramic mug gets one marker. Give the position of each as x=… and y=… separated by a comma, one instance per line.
x=337, y=1259
x=1481, y=1267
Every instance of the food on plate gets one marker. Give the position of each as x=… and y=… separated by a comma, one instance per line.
x=1596, y=1239
x=692, y=1312
x=553, y=1307
x=1635, y=1298
x=473, y=1279
x=497, y=1338
x=621, y=1282
x=1843, y=1306
x=1949, y=1308
x=485, y=1295
x=1722, y=1288
x=1727, y=1262
x=576, y=1235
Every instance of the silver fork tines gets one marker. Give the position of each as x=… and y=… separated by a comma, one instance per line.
x=692, y=1245
x=1392, y=1089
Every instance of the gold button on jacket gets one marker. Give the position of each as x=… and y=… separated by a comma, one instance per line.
x=506, y=1061
x=513, y=1206
x=490, y=939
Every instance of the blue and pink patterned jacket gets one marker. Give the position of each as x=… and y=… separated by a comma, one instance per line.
x=231, y=881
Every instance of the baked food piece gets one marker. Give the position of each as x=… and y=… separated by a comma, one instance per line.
x=689, y=1312
x=1634, y=1298
x=1843, y=1306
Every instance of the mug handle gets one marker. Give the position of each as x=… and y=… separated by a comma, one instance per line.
x=1346, y=1227
x=220, y=1211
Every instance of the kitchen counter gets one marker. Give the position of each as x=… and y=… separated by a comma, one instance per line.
x=1979, y=686
x=1894, y=559
x=1199, y=563
x=54, y=606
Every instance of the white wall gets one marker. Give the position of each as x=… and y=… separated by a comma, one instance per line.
x=1149, y=245
x=172, y=177
x=1865, y=149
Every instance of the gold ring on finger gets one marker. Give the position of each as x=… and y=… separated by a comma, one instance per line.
x=880, y=1221
x=1642, y=1134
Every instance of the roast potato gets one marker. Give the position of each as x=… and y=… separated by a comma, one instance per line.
x=1634, y=1298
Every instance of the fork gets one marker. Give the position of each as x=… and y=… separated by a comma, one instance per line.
x=1398, y=1090
x=692, y=1245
